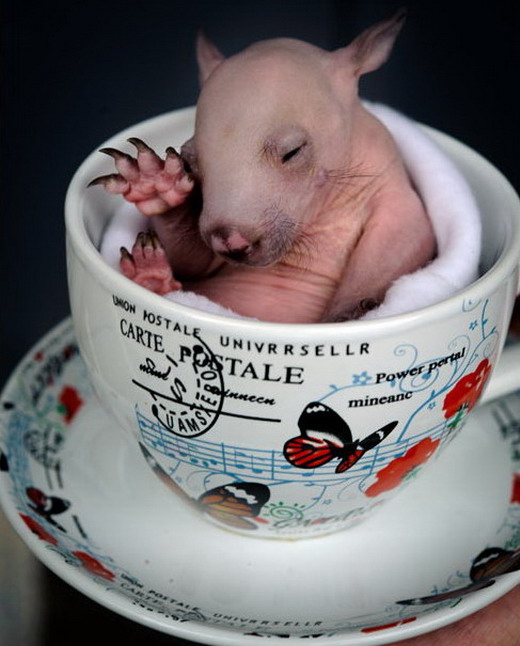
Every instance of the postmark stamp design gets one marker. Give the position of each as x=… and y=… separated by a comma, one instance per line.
x=186, y=390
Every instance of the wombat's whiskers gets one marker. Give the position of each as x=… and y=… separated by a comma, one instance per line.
x=302, y=249
x=353, y=181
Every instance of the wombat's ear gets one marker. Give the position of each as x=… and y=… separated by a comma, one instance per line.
x=208, y=56
x=372, y=47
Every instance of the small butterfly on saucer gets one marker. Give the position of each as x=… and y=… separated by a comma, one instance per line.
x=489, y=564
x=325, y=436
x=46, y=506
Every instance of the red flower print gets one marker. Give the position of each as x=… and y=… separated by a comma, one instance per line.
x=373, y=629
x=394, y=473
x=69, y=351
x=37, y=529
x=515, y=494
x=70, y=402
x=93, y=565
x=466, y=392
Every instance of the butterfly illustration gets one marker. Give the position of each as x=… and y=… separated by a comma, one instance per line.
x=236, y=502
x=46, y=506
x=325, y=436
x=233, y=503
x=489, y=564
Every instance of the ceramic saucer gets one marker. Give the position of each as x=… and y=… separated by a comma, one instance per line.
x=87, y=504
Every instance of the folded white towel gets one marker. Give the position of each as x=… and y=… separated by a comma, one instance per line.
x=453, y=213
x=449, y=203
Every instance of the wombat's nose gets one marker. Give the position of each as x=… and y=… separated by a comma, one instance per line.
x=229, y=242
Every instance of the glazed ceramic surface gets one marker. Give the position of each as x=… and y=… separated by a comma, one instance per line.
x=282, y=430
x=80, y=494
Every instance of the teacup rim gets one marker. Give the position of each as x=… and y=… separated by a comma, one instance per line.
x=77, y=236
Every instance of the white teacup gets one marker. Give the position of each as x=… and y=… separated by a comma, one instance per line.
x=281, y=430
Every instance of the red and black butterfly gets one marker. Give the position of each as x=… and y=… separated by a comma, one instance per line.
x=326, y=436
x=46, y=506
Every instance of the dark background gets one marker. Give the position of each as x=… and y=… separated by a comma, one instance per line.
x=75, y=73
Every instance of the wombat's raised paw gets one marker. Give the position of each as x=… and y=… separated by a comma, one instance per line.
x=147, y=265
x=154, y=185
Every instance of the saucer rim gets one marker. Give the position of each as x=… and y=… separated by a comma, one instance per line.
x=212, y=634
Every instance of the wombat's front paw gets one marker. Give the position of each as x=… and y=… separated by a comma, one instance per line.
x=154, y=185
x=147, y=265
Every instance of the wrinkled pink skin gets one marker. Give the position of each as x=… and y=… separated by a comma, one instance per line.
x=307, y=213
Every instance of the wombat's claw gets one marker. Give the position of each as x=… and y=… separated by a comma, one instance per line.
x=113, y=183
x=147, y=265
x=153, y=184
x=141, y=146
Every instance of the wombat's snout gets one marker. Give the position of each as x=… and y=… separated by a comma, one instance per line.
x=232, y=244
